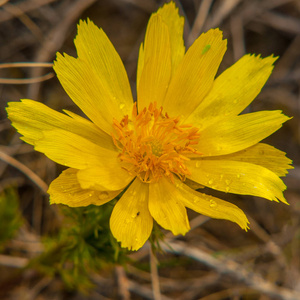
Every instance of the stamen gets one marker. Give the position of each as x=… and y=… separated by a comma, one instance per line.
x=153, y=145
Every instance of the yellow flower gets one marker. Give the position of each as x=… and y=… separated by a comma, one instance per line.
x=185, y=125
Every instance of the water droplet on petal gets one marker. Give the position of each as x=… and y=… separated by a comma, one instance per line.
x=103, y=195
x=210, y=182
x=238, y=175
x=122, y=105
x=213, y=204
x=196, y=200
x=91, y=194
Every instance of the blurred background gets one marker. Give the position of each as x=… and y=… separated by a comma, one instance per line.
x=215, y=260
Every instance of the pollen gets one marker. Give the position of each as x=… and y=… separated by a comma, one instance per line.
x=153, y=145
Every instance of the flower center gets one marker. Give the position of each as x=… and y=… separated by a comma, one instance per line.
x=153, y=145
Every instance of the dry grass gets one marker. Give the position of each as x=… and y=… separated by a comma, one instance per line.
x=215, y=260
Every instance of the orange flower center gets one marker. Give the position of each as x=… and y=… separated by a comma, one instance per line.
x=153, y=145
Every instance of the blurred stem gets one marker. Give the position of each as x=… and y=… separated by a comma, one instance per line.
x=123, y=283
x=154, y=275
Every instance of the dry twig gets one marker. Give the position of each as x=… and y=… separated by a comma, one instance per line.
x=154, y=276
x=25, y=170
x=235, y=270
x=122, y=283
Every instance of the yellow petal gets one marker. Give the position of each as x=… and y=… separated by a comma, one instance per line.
x=210, y=206
x=96, y=81
x=130, y=221
x=66, y=190
x=140, y=66
x=156, y=72
x=240, y=132
x=263, y=155
x=94, y=47
x=237, y=177
x=166, y=207
x=195, y=74
x=175, y=23
x=32, y=118
x=102, y=168
x=108, y=175
x=233, y=90
x=99, y=168
x=72, y=150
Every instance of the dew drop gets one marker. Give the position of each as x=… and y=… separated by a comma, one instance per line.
x=103, y=195
x=196, y=200
x=91, y=194
x=210, y=182
x=238, y=175
x=122, y=105
x=213, y=204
